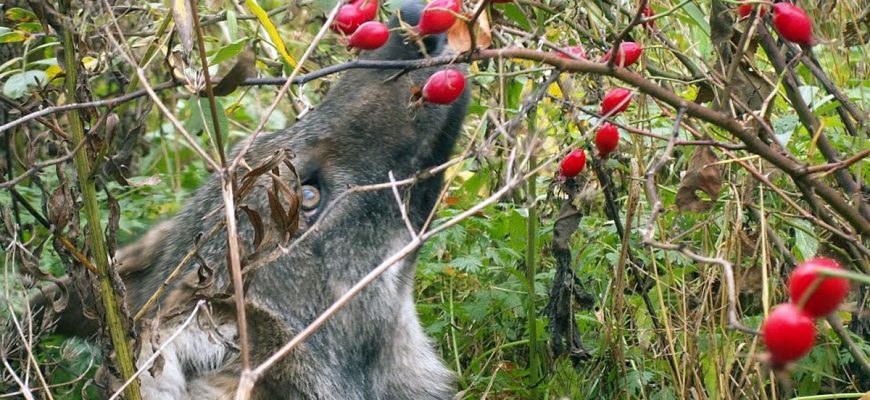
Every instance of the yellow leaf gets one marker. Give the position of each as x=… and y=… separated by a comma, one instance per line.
x=554, y=90
x=474, y=69
x=52, y=71
x=90, y=63
x=271, y=30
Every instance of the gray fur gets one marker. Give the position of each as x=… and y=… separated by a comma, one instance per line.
x=375, y=347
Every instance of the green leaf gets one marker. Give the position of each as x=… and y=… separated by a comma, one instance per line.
x=193, y=125
x=392, y=5
x=698, y=17
x=18, y=85
x=804, y=239
x=12, y=37
x=16, y=14
x=228, y=51
x=232, y=24
x=325, y=6
x=31, y=27
x=200, y=111
x=515, y=14
x=271, y=30
x=784, y=127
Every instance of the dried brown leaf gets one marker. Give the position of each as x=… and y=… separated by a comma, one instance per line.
x=459, y=40
x=256, y=223
x=703, y=176
x=181, y=14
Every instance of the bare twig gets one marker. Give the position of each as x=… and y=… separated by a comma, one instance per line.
x=38, y=166
x=219, y=142
x=402, y=209
x=615, y=49
x=650, y=176
x=652, y=193
x=145, y=365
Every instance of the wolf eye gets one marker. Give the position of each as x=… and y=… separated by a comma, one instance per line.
x=310, y=198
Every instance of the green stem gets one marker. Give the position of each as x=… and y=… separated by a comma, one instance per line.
x=531, y=232
x=830, y=396
x=150, y=51
x=120, y=341
x=842, y=273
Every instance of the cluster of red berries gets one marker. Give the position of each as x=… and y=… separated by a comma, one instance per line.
x=607, y=136
x=355, y=19
x=443, y=87
x=791, y=21
x=789, y=331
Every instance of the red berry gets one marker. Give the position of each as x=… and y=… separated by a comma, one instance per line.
x=648, y=13
x=606, y=139
x=443, y=87
x=348, y=19
x=628, y=54
x=792, y=23
x=368, y=8
x=827, y=296
x=369, y=36
x=789, y=333
x=745, y=10
x=616, y=101
x=438, y=16
x=576, y=51
x=573, y=164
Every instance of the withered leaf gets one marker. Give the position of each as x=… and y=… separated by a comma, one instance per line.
x=183, y=17
x=279, y=216
x=250, y=177
x=256, y=223
x=114, y=223
x=565, y=226
x=700, y=175
x=60, y=206
x=459, y=40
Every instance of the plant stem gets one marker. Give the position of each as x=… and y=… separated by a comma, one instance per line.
x=120, y=341
x=531, y=234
